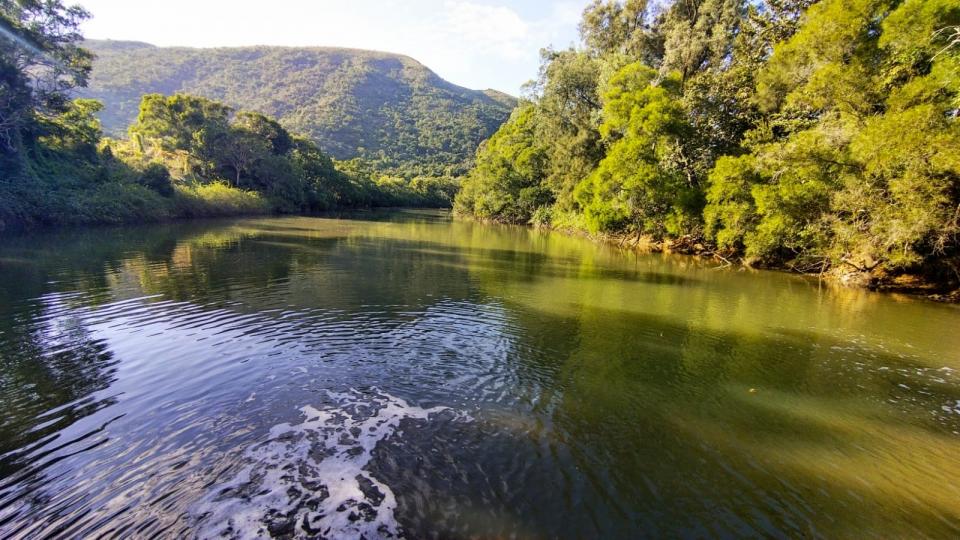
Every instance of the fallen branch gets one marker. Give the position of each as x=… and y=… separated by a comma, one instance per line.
x=727, y=262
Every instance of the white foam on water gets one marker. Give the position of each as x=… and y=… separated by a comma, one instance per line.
x=952, y=408
x=308, y=479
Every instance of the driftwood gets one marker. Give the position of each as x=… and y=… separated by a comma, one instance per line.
x=865, y=268
x=726, y=262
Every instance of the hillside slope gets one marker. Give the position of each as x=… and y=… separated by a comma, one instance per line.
x=381, y=106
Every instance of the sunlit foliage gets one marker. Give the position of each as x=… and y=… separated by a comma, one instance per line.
x=815, y=134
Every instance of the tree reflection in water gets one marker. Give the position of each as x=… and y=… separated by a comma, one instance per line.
x=609, y=394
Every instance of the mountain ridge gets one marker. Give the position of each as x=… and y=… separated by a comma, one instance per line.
x=381, y=106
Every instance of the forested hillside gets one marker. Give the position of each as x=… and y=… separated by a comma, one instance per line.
x=382, y=107
x=186, y=156
x=820, y=136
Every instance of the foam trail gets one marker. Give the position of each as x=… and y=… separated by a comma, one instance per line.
x=308, y=479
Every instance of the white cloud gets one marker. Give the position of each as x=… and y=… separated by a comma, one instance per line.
x=478, y=27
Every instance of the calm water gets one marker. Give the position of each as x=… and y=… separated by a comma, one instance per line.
x=408, y=375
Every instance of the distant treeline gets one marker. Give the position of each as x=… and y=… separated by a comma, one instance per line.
x=819, y=135
x=185, y=157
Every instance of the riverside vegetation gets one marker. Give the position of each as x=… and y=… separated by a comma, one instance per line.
x=186, y=156
x=818, y=136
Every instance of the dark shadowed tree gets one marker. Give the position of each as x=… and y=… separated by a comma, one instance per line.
x=40, y=62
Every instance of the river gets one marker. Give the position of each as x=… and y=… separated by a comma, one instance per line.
x=404, y=374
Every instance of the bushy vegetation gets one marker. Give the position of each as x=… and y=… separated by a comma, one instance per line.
x=794, y=132
x=185, y=156
x=73, y=175
x=384, y=108
x=202, y=141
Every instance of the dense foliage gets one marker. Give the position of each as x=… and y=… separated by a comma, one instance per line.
x=814, y=134
x=186, y=156
x=205, y=141
x=387, y=109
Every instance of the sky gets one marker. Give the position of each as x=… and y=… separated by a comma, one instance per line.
x=474, y=43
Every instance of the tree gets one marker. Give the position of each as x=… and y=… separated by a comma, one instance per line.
x=240, y=150
x=635, y=187
x=720, y=95
x=265, y=128
x=731, y=213
x=40, y=62
x=699, y=34
x=182, y=122
x=567, y=114
x=77, y=129
x=855, y=164
x=510, y=170
x=905, y=204
x=156, y=176
x=610, y=27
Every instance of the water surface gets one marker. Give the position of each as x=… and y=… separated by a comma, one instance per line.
x=407, y=375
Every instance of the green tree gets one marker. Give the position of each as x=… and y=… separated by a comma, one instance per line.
x=181, y=122
x=731, y=213
x=855, y=162
x=699, y=34
x=567, y=114
x=612, y=27
x=266, y=129
x=76, y=129
x=325, y=185
x=240, y=150
x=40, y=62
x=904, y=206
x=506, y=183
x=635, y=187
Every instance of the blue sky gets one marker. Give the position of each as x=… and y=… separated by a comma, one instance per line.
x=473, y=43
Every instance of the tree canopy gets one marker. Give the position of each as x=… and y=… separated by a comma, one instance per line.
x=40, y=62
x=815, y=134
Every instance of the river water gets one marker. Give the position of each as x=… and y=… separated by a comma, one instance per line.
x=403, y=374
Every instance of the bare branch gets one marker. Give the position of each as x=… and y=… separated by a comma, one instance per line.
x=953, y=38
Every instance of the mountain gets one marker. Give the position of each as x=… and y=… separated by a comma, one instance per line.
x=385, y=107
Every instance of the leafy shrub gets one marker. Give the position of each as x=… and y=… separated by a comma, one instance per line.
x=217, y=199
x=156, y=177
x=115, y=202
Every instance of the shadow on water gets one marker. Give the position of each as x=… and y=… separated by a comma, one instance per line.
x=49, y=372
x=691, y=433
x=53, y=374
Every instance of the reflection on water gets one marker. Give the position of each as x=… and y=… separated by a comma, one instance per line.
x=402, y=374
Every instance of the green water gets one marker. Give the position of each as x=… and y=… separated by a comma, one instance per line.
x=405, y=374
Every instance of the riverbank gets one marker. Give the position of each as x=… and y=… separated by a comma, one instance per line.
x=118, y=203
x=13, y=228
x=934, y=284
x=168, y=169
